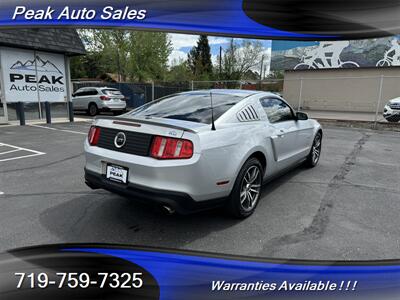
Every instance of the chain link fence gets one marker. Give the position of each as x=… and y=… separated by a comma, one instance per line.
x=349, y=98
x=354, y=98
x=272, y=85
x=363, y=98
x=137, y=94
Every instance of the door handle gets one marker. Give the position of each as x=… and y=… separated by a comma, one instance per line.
x=281, y=133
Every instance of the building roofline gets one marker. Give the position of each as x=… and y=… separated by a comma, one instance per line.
x=55, y=40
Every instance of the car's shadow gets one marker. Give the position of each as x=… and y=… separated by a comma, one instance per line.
x=103, y=217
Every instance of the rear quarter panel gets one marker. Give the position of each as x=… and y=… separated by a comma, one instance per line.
x=226, y=149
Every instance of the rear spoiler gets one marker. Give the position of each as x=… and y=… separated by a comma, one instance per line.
x=136, y=122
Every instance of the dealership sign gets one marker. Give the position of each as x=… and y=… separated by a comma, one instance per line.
x=32, y=76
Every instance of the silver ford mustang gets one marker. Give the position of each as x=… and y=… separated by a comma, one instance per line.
x=200, y=149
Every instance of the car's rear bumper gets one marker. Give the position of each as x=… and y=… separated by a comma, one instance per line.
x=105, y=108
x=111, y=105
x=177, y=201
x=194, y=176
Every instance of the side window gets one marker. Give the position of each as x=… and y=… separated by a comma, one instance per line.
x=91, y=92
x=80, y=93
x=276, y=110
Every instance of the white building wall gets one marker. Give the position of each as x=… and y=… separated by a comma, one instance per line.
x=355, y=90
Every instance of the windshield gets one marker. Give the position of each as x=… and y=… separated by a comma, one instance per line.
x=194, y=107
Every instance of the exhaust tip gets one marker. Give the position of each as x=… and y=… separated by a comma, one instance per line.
x=169, y=210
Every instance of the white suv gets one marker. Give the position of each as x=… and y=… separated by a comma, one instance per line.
x=391, y=112
x=96, y=99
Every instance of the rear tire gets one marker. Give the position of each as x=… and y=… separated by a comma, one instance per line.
x=92, y=109
x=246, y=191
x=315, y=152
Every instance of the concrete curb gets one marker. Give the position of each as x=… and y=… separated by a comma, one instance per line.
x=361, y=124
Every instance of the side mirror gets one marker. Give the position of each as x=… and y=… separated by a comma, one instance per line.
x=73, y=95
x=301, y=116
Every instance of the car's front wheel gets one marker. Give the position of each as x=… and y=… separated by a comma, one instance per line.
x=92, y=109
x=315, y=152
x=247, y=189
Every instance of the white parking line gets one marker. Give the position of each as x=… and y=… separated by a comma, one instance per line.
x=16, y=149
x=9, y=151
x=56, y=129
x=19, y=157
x=39, y=126
x=21, y=148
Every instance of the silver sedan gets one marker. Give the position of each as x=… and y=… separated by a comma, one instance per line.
x=200, y=149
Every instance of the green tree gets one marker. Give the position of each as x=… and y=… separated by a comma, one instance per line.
x=113, y=46
x=87, y=66
x=179, y=71
x=130, y=55
x=149, y=52
x=199, y=59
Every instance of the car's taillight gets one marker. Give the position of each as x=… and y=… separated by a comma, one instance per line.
x=104, y=98
x=171, y=148
x=93, y=136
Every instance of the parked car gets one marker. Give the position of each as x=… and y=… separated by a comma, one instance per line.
x=200, y=149
x=97, y=99
x=391, y=111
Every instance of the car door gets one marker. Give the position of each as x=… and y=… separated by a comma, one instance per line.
x=284, y=137
x=305, y=136
x=90, y=95
x=77, y=99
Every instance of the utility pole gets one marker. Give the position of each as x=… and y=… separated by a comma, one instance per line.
x=261, y=69
x=220, y=61
x=119, y=70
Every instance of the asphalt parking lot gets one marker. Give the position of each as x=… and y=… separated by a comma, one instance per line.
x=345, y=208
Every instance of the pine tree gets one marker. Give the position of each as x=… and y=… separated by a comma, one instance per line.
x=199, y=59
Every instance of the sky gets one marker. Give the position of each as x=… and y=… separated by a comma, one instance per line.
x=182, y=43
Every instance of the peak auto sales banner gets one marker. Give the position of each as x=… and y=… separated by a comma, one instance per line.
x=276, y=19
x=31, y=74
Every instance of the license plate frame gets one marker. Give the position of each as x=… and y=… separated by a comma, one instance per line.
x=117, y=173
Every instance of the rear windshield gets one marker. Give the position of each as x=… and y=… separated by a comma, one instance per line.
x=194, y=107
x=111, y=92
